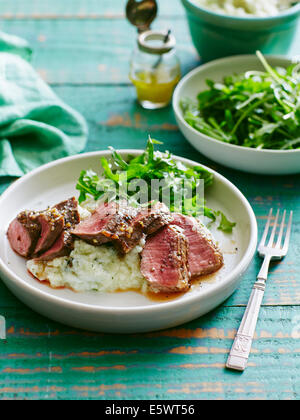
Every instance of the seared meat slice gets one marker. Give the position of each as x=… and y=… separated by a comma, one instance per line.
x=121, y=224
x=165, y=260
x=69, y=210
x=36, y=233
x=153, y=217
x=111, y=222
x=204, y=256
x=94, y=229
x=62, y=247
x=24, y=232
x=64, y=243
x=144, y=221
x=147, y=221
x=129, y=238
x=52, y=225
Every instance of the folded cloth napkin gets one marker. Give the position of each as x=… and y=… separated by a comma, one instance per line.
x=36, y=127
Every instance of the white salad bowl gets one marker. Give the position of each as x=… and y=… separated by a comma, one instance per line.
x=127, y=312
x=268, y=162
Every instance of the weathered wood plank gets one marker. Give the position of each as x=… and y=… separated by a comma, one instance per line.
x=92, y=52
x=44, y=360
x=95, y=52
x=41, y=9
x=116, y=120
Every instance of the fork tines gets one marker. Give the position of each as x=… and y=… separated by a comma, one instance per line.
x=278, y=244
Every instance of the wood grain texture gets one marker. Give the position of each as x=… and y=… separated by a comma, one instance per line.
x=95, y=52
x=44, y=360
x=92, y=51
x=82, y=48
x=93, y=9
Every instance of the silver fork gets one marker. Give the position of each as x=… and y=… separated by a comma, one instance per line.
x=269, y=250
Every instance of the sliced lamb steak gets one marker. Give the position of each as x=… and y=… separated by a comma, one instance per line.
x=44, y=233
x=69, y=210
x=165, y=260
x=153, y=217
x=122, y=224
x=204, y=256
x=64, y=243
x=97, y=229
x=146, y=221
x=111, y=222
x=24, y=232
x=52, y=224
x=62, y=247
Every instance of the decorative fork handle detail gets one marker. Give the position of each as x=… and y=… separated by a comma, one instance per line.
x=271, y=250
x=239, y=354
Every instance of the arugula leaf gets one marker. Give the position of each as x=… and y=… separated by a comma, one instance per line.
x=225, y=225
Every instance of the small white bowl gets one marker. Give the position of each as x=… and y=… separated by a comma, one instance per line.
x=269, y=162
x=127, y=312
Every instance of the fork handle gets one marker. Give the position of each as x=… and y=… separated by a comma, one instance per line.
x=239, y=354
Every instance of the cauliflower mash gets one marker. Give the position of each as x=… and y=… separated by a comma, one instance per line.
x=244, y=8
x=90, y=268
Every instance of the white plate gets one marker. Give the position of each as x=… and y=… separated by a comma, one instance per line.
x=271, y=162
x=127, y=312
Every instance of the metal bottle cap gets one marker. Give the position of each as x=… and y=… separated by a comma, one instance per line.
x=166, y=44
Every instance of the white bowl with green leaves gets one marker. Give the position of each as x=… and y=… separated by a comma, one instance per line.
x=264, y=136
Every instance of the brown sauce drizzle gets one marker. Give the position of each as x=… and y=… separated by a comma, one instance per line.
x=155, y=297
x=168, y=297
x=47, y=282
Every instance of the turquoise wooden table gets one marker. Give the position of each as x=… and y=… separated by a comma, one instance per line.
x=81, y=48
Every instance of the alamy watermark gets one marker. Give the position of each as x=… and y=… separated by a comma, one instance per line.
x=180, y=195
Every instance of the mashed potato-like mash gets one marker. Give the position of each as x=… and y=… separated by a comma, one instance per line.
x=90, y=268
x=247, y=7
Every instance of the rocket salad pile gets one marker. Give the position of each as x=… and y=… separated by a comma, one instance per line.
x=151, y=165
x=256, y=109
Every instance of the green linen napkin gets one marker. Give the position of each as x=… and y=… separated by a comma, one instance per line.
x=36, y=127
